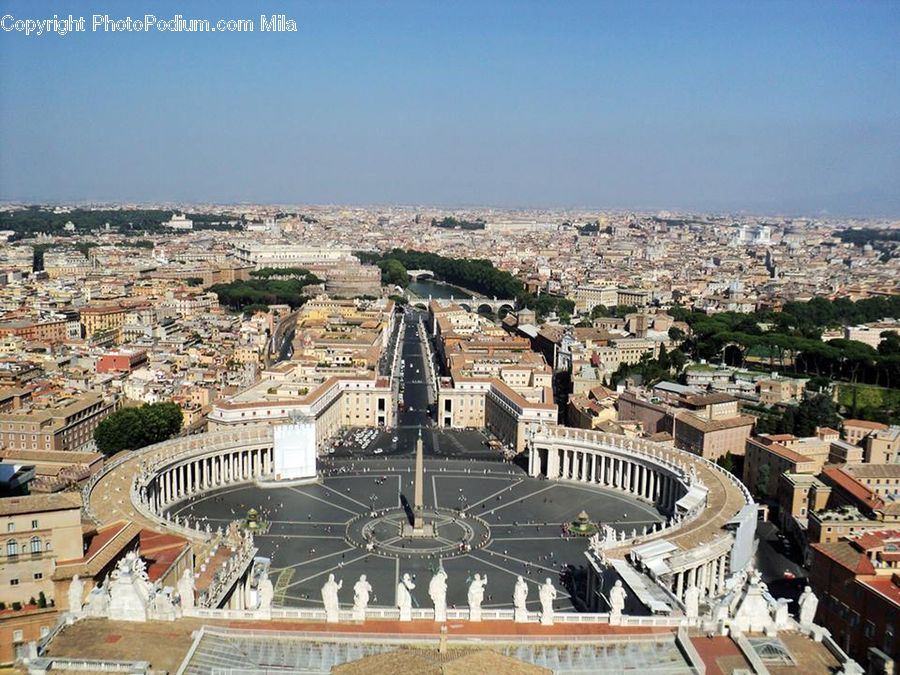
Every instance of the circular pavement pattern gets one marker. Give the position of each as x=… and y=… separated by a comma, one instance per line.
x=451, y=532
x=512, y=526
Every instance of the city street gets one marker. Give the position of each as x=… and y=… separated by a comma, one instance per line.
x=772, y=563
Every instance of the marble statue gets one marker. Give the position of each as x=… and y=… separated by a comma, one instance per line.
x=692, y=602
x=97, y=602
x=476, y=596
x=753, y=612
x=361, y=591
x=809, y=603
x=548, y=595
x=781, y=613
x=330, y=599
x=617, y=600
x=404, y=597
x=186, y=589
x=162, y=607
x=130, y=591
x=76, y=592
x=266, y=593
x=437, y=591
x=520, y=599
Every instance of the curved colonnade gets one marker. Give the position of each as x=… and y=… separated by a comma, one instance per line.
x=159, y=476
x=700, y=499
x=699, y=545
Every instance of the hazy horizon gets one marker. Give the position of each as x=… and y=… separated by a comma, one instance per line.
x=771, y=108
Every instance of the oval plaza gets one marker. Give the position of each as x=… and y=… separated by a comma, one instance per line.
x=663, y=520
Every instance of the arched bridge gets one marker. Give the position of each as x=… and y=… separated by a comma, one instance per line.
x=420, y=274
x=481, y=305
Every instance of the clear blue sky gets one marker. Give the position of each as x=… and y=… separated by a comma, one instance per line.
x=788, y=107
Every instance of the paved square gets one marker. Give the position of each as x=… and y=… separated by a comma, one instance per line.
x=307, y=537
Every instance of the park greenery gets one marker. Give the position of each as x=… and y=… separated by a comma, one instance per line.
x=451, y=223
x=818, y=410
x=258, y=294
x=33, y=220
x=281, y=272
x=867, y=235
x=399, y=299
x=791, y=340
x=83, y=247
x=651, y=371
x=132, y=428
x=479, y=276
x=619, y=311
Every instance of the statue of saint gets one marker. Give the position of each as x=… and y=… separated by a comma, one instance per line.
x=76, y=591
x=404, y=597
x=266, y=593
x=692, y=602
x=476, y=596
x=617, y=599
x=330, y=598
x=185, y=587
x=548, y=595
x=437, y=591
x=809, y=603
x=520, y=594
x=361, y=591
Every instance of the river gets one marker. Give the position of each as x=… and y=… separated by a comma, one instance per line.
x=436, y=289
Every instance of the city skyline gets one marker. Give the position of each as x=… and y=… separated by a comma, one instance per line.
x=783, y=109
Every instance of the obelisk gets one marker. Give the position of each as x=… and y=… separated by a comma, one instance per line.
x=418, y=502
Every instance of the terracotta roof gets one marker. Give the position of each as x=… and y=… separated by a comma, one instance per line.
x=65, y=456
x=886, y=586
x=865, y=424
x=852, y=487
x=781, y=451
x=160, y=550
x=847, y=556
x=707, y=426
x=873, y=470
x=60, y=501
x=104, y=547
x=433, y=662
x=708, y=399
x=869, y=540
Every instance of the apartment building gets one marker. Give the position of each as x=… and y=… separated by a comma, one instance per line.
x=853, y=506
x=855, y=431
x=709, y=425
x=65, y=424
x=350, y=399
x=291, y=255
x=857, y=581
x=767, y=457
x=38, y=530
x=882, y=446
x=121, y=361
x=780, y=390
x=53, y=331
x=102, y=319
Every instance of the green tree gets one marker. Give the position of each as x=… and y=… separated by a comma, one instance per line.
x=599, y=312
x=399, y=299
x=132, y=428
x=818, y=384
x=393, y=273
x=815, y=411
x=890, y=343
